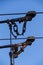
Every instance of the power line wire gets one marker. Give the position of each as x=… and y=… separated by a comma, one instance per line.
x=39, y=12
x=18, y=13
x=20, y=38
x=12, y=14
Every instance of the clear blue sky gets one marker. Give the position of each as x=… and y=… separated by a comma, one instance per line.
x=32, y=55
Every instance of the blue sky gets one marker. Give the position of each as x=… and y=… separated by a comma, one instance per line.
x=33, y=55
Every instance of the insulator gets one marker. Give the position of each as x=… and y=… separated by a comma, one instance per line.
x=28, y=18
x=15, y=48
x=31, y=38
x=31, y=13
x=22, y=49
x=15, y=55
x=24, y=19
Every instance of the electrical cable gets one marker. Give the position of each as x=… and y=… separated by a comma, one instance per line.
x=39, y=12
x=12, y=14
x=20, y=38
x=18, y=13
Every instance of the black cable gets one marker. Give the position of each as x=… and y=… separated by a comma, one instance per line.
x=10, y=28
x=12, y=14
x=39, y=12
x=18, y=13
x=38, y=37
x=10, y=53
x=20, y=38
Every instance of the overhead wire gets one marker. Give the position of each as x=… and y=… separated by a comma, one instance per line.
x=20, y=38
x=18, y=13
x=12, y=14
